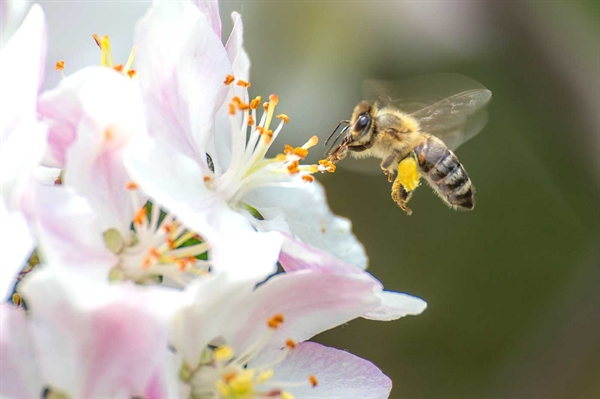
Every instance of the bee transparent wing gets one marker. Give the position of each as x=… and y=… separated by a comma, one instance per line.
x=449, y=106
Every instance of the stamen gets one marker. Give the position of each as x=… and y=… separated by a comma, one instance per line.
x=131, y=186
x=255, y=103
x=275, y=321
x=243, y=106
x=119, y=68
x=284, y=118
x=60, y=65
x=236, y=100
x=131, y=73
x=308, y=178
x=286, y=395
x=290, y=343
x=228, y=80
x=327, y=166
x=293, y=167
x=264, y=376
x=232, y=108
x=243, y=83
x=250, y=119
x=97, y=40
x=140, y=216
x=313, y=141
x=313, y=380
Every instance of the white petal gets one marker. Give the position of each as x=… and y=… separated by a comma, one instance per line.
x=395, y=305
x=309, y=218
x=16, y=246
x=176, y=183
x=340, y=374
x=210, y=9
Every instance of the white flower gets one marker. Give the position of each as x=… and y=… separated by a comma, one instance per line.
x=22, y=139
x=205, y=157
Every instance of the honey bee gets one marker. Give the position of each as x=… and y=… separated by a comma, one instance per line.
x=417, y=138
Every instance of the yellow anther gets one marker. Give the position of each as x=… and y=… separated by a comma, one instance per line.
x=60, y=65
x=313, y=380
x=118, y=68
x=286, y=395
x=207, y=179
x=266, y=106
x=243, y=382
x=308, y=178
x=243, y=83
x=131, y=73
x=223, y=388
x=254, y=104
x=140, y=216
x=288, y=149
x=97, y=40
x=284, y=118
x=229, y=79
x=223, y=353
x=301, y=152
x=264, y=376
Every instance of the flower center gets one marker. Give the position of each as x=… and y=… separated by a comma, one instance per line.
x=249, y=168
x=106, y=58
x=159, y=247
x=224, y=374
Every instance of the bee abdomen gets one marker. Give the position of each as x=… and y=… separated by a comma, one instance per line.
x=445, y=173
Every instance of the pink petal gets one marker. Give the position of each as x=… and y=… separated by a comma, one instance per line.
x=311, y=302
x=240, y=62
x=181, y=67
x=19, y=375
x=210, y=9
x=94, y=340
x=340, y=374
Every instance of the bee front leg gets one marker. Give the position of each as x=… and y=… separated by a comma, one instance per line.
x=407, y=181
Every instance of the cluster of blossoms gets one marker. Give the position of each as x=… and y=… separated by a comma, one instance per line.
x=150, y=248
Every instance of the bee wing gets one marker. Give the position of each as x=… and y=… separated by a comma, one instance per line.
x=449, y=106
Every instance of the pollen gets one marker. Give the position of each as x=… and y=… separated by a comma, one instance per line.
x=243, y=83
x=284, y=118
x=328, y=166
x=254, y=104
x=229, y=79
x=118, y=68
x=60, y=65
x=293, y=167
x=308, y=178
x=275, y=321
x=301, y=152
x=131, y=186
x=109, y=133
x=313, y=380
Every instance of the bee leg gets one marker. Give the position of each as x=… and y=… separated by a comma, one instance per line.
x=407, y=181
x=385, y=166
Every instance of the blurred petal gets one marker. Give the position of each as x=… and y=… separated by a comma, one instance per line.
x=240, y=62
x=175, y=181
x=19, y=374
x=182, y=64
x=309, y=218
x=210, y=9
x=340, y=374
x=395, y=305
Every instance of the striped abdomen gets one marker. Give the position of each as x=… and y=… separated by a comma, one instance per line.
x=444, y=173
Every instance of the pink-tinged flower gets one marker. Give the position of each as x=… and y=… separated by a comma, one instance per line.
x=205, y=154
x=82, y=339
x=228, y=337
x=22, y=139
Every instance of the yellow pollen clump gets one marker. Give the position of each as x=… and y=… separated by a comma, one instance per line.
x=254, y=104
x=308, y=178
x=293, y=167
x=243, y=83
x=109, y=133
x=229, y=79
x=131, y=186
x=118, y=68
x=301, y=152
x=313, y=380
x=288, y=149
x=223, y=353
x=284, y=118
x=60, y=65
x=329, y=166
x=275, y=321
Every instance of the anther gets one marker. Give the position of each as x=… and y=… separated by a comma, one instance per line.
x=286, y=395
x=290, y=343
x=236, y=100
x=327, y=165
x=254, y=104
x=288, y=149
x=228, y=79
x=293, y=167
x=232, y=108
x=313, y=380
x=275, y=321
x=284, y=118
x=243, y=83
x=243, y=106
x=16, y=299
x=313, y=141
x=266, y=106
x=250, y=119
x=301, y=152
x=140, y=216
x=131, y=73
x=131, y=186
x=223, y=353
x=97, y=39
x=118, y=68
x=308, y=178
x=60, y=65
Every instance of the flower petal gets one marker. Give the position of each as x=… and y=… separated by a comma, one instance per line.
x=339, y=374
x=19, y=376
x=175, y=182
x=309, y=218
x=210, y=9
x=296, y=255
x=93, y=340
x=181, y=64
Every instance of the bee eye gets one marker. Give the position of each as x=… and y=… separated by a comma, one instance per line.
x=362, y=122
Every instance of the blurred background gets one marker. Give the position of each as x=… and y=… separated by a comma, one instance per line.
x=514, y=286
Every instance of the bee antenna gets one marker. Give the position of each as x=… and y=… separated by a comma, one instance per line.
x=334, y=130
x=340, y=134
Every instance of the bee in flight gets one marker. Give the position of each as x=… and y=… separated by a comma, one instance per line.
x=416, y=138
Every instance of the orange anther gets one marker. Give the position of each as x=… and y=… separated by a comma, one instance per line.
x=275, y=321
x=293, y=167
x=170, y=242
x=229, y=79
x=207, y=179
x=60, y=65
x=131, y=73
x=109, y=133
x=181, y=264
x=97, y=39
x=288, y=149
x=301, y=152
x=255, y=103
x=236, y=100
x=118, y=68
x=266, y=106
x=308, y=178
x=146, y=263
x=243, y=83
x=131, y=186
x=243, y=106
x=250, y=120
x=229, y=376
x=154, y=252
x=313, y=380
x=284, y=118
x=232, y=108
x=290, y=343
x=273, y=98
x=140, y=216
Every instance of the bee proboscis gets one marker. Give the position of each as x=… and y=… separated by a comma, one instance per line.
x=416, y=138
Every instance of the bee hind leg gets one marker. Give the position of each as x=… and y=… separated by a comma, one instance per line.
x=407, y=181
x=385, y=166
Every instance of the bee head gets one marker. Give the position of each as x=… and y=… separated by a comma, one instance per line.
x=361, y=124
